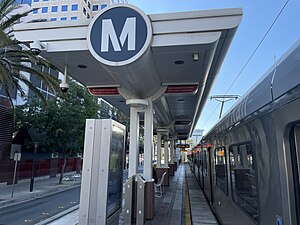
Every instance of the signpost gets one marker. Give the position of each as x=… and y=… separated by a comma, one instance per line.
x=17, y=158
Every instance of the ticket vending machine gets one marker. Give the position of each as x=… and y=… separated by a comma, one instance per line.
x=102, y=173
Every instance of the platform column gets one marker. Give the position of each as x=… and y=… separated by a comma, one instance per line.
x=166, y=153
x=134, y=142
x=148, y=149
x=166, y=162
x=175, y=155
x=171, y=163
x=172, y=151
x=160, y=169
x=148, y=142
x=158, y=149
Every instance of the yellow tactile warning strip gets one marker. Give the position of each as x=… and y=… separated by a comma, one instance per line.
x=188, y=220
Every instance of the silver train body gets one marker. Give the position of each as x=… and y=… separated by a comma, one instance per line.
x=248, y=165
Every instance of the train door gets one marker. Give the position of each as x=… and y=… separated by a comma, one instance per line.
x=201, y=169
x=207, y=174
x=198, y=166
x=295, y=156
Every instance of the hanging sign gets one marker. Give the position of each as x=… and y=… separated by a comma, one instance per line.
x=104, y=91
x=182, y=146
x=179, y=89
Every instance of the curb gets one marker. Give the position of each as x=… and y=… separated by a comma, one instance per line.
x=36, y=196
x=57, y=216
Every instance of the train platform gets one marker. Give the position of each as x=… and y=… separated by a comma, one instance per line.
x=182, y=203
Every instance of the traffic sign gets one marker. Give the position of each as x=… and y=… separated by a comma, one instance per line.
x=17, y=157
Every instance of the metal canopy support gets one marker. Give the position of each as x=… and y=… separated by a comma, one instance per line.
x=158, y=149
x=176, y=152
x=172, y=151
x=134, y=142
x=136, y=197
x=166, y=153
x=148, y=142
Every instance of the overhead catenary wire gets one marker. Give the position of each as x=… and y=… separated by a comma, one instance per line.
x=259, y=44
x=251, y=56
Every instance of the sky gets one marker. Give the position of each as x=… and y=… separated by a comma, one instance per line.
x=258, y=15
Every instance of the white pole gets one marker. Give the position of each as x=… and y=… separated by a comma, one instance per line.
x=134, y=142
x=166, y=152
x=158, y=149
x=172, y=151
x=148, y=142
x=14, y=179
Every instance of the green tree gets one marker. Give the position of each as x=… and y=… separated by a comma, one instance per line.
x=15, y=62
x=62, y=121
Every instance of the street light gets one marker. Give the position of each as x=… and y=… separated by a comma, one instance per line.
x=223, y=99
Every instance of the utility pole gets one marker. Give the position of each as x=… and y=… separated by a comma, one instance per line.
x=223, y=99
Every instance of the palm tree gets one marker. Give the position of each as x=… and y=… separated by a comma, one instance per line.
x=15, y=61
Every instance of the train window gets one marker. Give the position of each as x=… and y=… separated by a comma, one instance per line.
x=243, y=178
x=221, y=169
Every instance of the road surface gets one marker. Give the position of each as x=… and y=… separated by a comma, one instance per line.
x=32, y=212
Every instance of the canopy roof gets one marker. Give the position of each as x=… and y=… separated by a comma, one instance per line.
x=176, y=71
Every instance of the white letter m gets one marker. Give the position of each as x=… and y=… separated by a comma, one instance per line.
x=109, y=33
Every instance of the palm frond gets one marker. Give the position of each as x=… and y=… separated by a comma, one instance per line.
x=13, y=19
x=15, y=62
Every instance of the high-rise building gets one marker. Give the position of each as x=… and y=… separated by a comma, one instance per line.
x=54, y=10
x=28, y=2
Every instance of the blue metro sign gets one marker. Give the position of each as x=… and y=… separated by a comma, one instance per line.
x=119, y=35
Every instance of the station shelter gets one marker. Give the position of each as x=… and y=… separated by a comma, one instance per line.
x=157, y=68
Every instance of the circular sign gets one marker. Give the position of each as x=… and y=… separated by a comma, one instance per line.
x=119, y=35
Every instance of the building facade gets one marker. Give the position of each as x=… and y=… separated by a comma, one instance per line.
x=55, y=10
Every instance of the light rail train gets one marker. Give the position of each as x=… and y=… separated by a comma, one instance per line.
x=248, y=164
